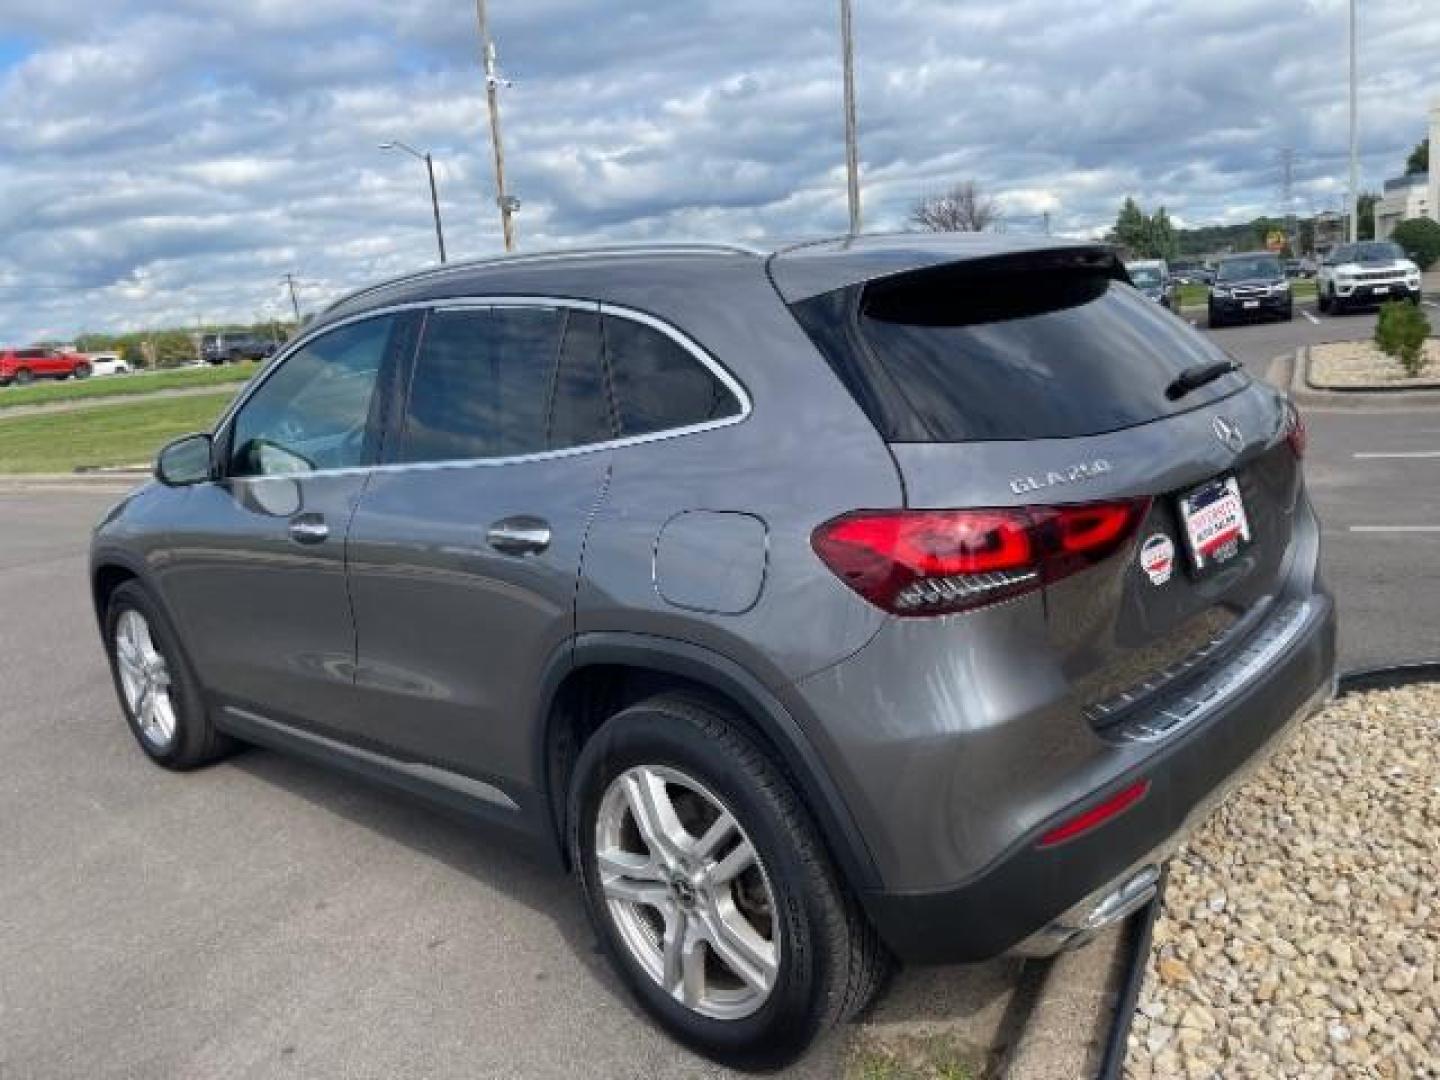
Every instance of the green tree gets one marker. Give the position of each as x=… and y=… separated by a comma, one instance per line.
x=1420, y=237
x=1400, y=333
x=1132, y=228
x=1419, y=159
x=1161, y=242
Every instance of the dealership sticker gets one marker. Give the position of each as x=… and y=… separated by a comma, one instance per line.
x=1157, y=558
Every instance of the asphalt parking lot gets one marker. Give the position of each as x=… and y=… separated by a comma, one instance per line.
x=266, y=918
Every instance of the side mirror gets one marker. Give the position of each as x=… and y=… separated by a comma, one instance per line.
x=184, y=461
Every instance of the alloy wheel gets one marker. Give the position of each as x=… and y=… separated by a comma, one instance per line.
x=687, y=891
x=144, y=679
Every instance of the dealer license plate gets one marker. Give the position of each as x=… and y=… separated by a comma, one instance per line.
x=1251, y=304
x=1216, y=528
x=1378, y=289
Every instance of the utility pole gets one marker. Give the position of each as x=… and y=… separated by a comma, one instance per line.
x=1046, y=217
x=1287, y=196
x=1354, y=139
x=289, y=279
x=508, y=204
x=852, y=151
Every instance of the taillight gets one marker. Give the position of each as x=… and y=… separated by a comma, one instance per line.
x=1295, y=433
x=933, y=562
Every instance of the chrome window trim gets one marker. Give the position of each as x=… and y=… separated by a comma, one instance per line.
x=462, y=303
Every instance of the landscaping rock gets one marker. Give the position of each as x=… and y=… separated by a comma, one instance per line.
x=1300, y=933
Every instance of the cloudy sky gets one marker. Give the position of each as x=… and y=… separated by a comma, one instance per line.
x=163, y=163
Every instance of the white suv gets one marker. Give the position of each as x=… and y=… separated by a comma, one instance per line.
x=1366, y=273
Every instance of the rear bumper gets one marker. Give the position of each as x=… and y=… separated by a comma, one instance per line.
x=1037, y=900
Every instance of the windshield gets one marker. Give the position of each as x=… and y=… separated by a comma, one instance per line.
x=1243, y=269
x=1378, y=251
x=1145, y=277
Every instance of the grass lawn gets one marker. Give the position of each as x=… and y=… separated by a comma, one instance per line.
x=123, y=434
x=1197, y=295
x=44, y=391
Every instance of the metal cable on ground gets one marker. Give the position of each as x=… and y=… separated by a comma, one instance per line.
x=1142, y=923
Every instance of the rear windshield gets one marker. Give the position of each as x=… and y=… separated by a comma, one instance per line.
x=958, y=356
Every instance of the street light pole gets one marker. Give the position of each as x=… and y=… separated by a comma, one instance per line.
x=852, y=152
x=289, y=279
x=506, y=202
x=1354, y=139
x=395, y=144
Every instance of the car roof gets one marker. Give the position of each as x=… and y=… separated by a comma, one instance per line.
x=799, y=269
x=1248, y=255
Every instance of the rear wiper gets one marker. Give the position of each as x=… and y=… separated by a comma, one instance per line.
x=1192, y=378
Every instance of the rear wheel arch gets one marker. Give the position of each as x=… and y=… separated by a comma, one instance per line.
x=603, y=673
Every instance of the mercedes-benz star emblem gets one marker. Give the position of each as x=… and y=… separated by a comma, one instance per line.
x=1228, y=432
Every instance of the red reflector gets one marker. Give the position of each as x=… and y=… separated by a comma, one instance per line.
x=1097, y=815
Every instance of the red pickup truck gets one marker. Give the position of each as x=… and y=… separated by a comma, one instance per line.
x=26, y=365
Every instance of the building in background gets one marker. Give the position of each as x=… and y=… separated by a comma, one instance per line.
x=1414, y=195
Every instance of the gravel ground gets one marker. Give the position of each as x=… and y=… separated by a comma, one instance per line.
x=1301, y=928
x=1360, y=363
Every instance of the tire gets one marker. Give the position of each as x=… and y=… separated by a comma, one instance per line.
x=828, y=961
x=1322, y=301
x=1212, y=319
x=24, y=377
x=83, y=371
x=1289, y=315
x=192, y=740
x=1337, y=306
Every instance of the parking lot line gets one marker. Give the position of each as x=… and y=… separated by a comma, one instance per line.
x=1395, y=528
x=1370, y=456
x=1312, y=318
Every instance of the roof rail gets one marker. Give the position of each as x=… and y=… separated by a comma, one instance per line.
x=700, y=247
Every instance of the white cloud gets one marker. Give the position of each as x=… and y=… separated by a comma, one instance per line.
x=168, y=162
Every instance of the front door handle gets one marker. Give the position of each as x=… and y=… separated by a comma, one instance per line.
x=521, y=535
x=309, y=529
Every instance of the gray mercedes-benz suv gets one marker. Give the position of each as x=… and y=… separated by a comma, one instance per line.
x=871, y=598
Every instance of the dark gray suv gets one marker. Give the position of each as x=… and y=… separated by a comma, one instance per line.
x=894, y=597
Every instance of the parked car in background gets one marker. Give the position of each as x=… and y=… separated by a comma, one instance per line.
x=1152, y=277
x=108, y=363
x=230, y=348
x=1186, y=271
x=929, y=642
x=1250, y=286
x=1369, y=272
x=21, y=366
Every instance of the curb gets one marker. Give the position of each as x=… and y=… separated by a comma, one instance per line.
x=1142, y=923
x=1303, y=393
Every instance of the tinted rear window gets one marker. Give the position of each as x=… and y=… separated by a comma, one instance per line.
x=962, y=355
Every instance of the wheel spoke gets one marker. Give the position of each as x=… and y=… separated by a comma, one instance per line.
x=616, y=863
x=655, y=815
x=723, y=828
x=676, y=926
x=648, y=893
x=734, y=864
x=742, y=950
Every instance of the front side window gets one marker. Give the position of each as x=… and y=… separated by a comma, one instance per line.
x=658, y=384
x=314, y=411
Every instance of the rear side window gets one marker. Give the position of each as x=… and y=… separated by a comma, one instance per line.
x=481, y=384
x=580, y=412
x=658, y=384
x=970, y=354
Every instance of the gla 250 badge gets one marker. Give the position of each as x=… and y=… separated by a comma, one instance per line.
x=1074, y=474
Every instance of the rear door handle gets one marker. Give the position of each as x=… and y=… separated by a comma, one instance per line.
x=520, y=535
x=309, y=529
